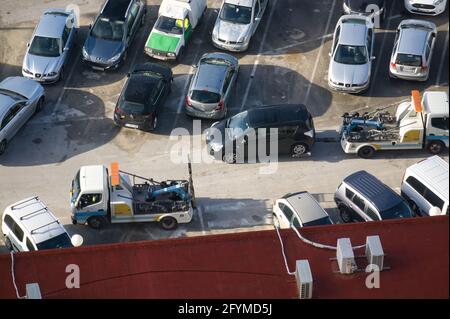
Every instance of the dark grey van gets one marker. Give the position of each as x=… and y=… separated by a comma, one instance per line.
x=362, y=197
x=290, y=125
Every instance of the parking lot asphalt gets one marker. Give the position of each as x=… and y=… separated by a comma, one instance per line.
x=287, y=62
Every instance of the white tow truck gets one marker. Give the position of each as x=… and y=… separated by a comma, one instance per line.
x=417, y=124
x=177, y=19
x=99, y=196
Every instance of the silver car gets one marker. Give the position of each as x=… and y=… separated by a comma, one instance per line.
x=351, y=54
x=413, y=49
x=211, y=86
x=236, y=23
x=20, y=98
x=50, y=46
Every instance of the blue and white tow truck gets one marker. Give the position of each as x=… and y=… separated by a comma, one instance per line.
x=99, y=196
x=417, y=124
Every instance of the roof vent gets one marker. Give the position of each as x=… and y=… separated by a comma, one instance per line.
x=374, y=253
x=304, y=279
x=345, y=256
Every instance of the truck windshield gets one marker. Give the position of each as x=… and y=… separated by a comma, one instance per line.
x=400, y=210
x=60, y=241
x=236, y=14
x=169, y=25
x=75, y=191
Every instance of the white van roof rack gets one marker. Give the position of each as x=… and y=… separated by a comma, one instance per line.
x=25, y=201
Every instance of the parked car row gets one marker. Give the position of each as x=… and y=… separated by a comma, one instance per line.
x=361, y=197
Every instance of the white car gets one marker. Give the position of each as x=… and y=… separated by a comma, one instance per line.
x=413, y=49
x=426, y=7
x=29, y=225
x=299, y=210
x=351, y=54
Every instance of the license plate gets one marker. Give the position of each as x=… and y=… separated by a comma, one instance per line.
x=131, y=125
x=98, y=68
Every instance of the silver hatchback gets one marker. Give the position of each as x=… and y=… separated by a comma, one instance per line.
x=20, y=98
x=211, y=86
x=413, y=49
x=50, y=46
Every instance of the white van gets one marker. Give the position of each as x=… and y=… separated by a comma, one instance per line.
x=29, y=225
x=425, y=186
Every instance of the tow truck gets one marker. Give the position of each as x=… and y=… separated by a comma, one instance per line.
x=99, y=196
x=417, y=124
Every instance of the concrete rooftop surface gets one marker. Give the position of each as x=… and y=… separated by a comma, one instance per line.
x=243, y=265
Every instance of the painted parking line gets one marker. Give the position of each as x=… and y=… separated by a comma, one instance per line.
x=442, y=60
x=258, y=56
x=319, y=55
x=295, y=44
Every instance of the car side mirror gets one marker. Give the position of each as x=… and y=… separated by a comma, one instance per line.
x=28, y=44
x=128, y=75
x=257, y=18
x=90, y=26
x=194, y=66
x=66, y=49
x=373, y=58
x=329, y=54
x=434, y=211
x=79, y=205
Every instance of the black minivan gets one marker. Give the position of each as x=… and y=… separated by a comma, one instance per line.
x=240, y=137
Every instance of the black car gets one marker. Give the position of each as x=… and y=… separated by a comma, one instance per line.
x=366, y=7
x=143, y=96
x=112, y=33
x=240, y=137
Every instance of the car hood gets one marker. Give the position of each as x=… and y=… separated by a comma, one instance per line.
x=102, y=49
x=41, y=64
x=361, y=5
x=228, y=31
x=21, y=85
x=349, y=74
x=162, y=42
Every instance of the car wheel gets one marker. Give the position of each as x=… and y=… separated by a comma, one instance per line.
x=345, y=214
x=366, y=152
x=180, y=54
x=168, y=223
x=61, y=75
x=435, y=147
x=8, y=244
x=299, y=149
x=155, y=123
x=3, y=145
x=229, y=158
x=39, y=105
x=95, y=222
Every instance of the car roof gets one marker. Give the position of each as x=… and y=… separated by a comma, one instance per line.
x=36, y=219
x=51, y=24
x=434, y=171
x=380, y=195
x=210, y=77
x=140, y=87
x=353, y=31
x=412, y=40
x=116, y=9
x=279, y=115
x=306, y=207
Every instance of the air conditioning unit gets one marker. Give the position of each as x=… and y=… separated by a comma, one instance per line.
x=374, y=253
x=304, y=279
x=345, y=256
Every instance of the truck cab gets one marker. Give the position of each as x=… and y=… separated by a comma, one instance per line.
x=89, y=195
x=173, y=29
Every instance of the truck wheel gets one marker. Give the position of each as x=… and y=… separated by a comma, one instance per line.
x=435, y=147
x=3, y=147
x=95, y=222
x=180, y=55
x=168, y=223
x=8, y=244
x=366, y=152
x=345, y=214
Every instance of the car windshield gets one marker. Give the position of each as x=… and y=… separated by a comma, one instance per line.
x=44, y=46
x=13, y=95
x=75, y=191
x=132, y=107
x=409, y=59
x=401, y=210
x=236, y=14
x=318, y=222
x=60, y=241
x=239, y=122
x=350, y=54
x=204, y=96
x=215, y=61
x=169, y=25
x=108, y=30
